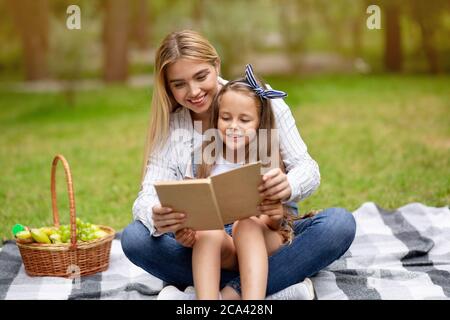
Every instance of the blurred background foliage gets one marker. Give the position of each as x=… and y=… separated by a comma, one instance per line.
x=118, y=37
x=373, y=106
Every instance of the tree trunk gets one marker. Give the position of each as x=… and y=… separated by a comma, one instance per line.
x=198, y=13
x=429, y=48
x=141, y=25
x=330, y=22
x=31, y=19
x=115, y=41
x=427, y=17
x=356, y=30
x=393, y=55
x=293, y=30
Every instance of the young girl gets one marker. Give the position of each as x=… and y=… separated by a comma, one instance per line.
x=240, y=111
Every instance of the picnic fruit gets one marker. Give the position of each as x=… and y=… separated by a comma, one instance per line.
x=85, y=231
x=40, y=236
x=22, y=233
x=24, y=236
x=100, y=234
x=48, y=230
x=55, y=238
x=17, y=228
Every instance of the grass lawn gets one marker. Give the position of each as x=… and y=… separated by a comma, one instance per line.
x=380, y=138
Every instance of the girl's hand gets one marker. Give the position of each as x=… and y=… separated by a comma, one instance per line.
x=186, y=237
x=164, y=220
x=272, y=208
x=275, y=185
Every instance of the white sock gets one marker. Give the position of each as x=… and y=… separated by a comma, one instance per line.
x=300, y=291
x=189, y=289
x=172, y=293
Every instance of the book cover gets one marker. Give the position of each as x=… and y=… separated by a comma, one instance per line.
x=215, y=201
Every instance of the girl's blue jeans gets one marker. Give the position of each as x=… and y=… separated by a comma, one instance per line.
x=318, y=242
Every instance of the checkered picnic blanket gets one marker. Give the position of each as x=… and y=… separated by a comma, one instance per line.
x=400, y=254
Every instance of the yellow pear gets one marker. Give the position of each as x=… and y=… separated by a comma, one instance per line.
x=48, y=230
x=40, y=236
x=24, y=236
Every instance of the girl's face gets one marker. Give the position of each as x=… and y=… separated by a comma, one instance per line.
x=193, y=83
x=238, y=119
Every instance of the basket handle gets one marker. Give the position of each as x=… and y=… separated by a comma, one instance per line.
x=73, y=223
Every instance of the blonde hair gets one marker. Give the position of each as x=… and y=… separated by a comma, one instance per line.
x=176, y=45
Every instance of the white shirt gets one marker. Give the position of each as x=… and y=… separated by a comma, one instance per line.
x=173, y=160
x=223, y=165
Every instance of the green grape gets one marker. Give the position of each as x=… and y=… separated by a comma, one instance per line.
x=55, y=238
x=100, y=234
x=65, y=235
x=84, y=237
x=65, y=238
x=91, y=236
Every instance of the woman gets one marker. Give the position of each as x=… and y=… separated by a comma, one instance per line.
x=187, y=79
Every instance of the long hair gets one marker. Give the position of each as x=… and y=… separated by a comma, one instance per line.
x=176, y=45
x=266, y=121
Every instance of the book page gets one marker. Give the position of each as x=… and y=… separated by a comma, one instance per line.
x=195, y=198
x=237, y=192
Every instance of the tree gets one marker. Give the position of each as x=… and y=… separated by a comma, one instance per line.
x=393, y=54
x=140, y=24
x=235, y=30
x=198, y=13
x=31, y=19
x=115, y=40
x=427, y=16
x=294, y=26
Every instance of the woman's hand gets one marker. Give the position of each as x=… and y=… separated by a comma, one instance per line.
x=186, y=237
x=272, y=212
x=275, y=185
x=164, y=220
x=272, y=208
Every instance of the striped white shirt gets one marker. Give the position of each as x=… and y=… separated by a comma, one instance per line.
x=173, y=160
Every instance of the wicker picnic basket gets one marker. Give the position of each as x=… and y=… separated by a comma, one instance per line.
x=67, y=259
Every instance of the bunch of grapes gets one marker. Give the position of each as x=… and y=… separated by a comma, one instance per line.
x=86, y=231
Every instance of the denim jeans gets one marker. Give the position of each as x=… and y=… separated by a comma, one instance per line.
x=319, y=240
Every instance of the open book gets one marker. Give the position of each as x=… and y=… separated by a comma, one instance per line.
x=215, y=201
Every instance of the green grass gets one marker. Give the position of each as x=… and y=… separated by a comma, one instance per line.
x=381, y=138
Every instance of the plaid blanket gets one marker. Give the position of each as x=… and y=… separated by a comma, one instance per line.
x=400, y=254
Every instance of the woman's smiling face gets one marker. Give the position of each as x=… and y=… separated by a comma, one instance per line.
x=193, y=83
x=238, y=119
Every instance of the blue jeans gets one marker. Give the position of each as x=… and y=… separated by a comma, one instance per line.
x=318, y=242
